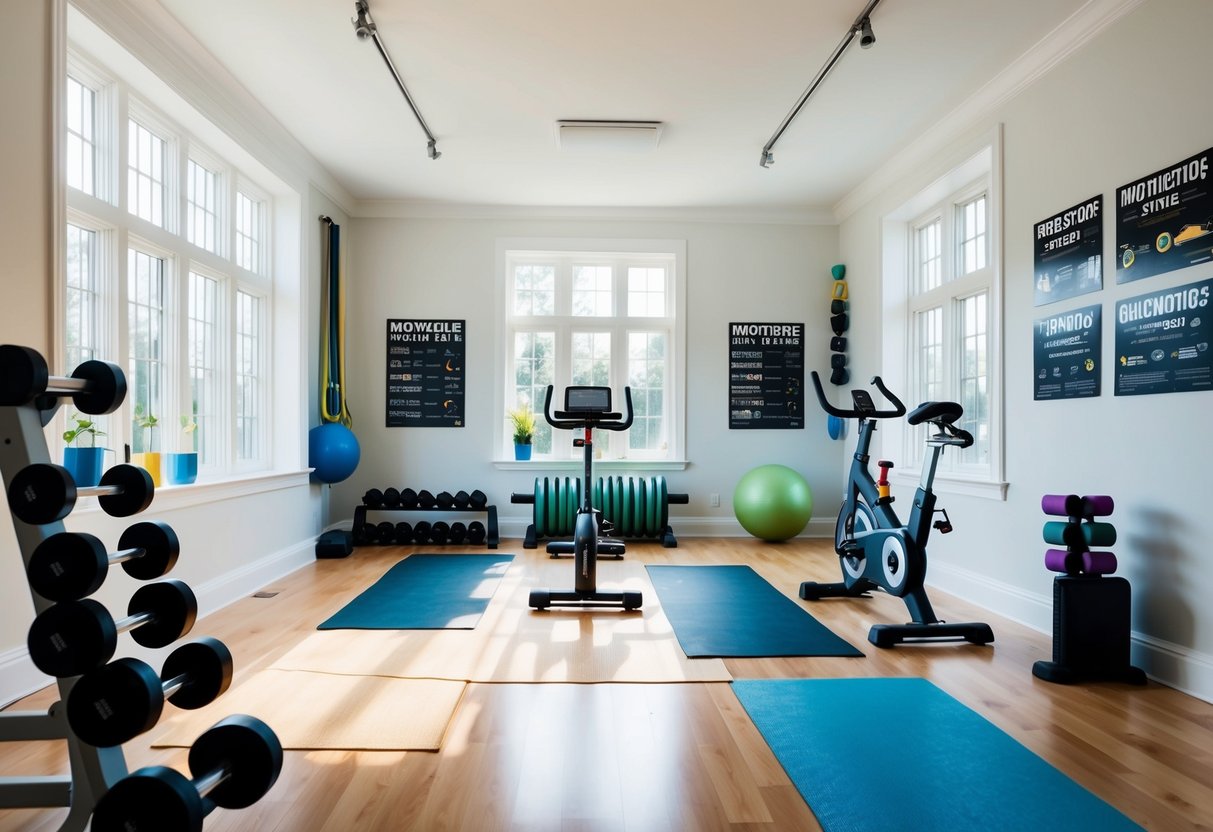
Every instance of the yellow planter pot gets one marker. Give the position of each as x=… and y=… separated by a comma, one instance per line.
x=149, y=462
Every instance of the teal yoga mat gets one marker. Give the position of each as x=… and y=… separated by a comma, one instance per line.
x=426, y=592
x=900, y=754
x=731, y=612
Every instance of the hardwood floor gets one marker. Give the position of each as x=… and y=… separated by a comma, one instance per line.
x=670, y=757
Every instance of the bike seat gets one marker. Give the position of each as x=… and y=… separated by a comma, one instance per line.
x=943, y=412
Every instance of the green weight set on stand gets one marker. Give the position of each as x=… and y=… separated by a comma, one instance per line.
x=635, y=507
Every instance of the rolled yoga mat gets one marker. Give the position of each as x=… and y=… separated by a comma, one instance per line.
x=900, y=755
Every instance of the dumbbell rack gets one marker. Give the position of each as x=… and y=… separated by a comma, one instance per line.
x=491, y=537
x=93, y=770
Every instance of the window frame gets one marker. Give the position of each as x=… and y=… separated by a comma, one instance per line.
x=565, y=255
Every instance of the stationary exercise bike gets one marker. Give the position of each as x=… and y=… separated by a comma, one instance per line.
x=587, y=408
x=876, y=551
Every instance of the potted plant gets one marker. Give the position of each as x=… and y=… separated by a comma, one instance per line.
x=523, y=421
x=182, y=468
x=84, y=462
x=148, y=459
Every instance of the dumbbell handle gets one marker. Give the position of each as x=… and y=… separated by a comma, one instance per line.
x=66, y=384
x=210, y=781
x=133, y=621
x=123, y=555
x=97, y=490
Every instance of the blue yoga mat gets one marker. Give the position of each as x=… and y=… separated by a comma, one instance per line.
x=730, y=611
x=426, y=592
x=900, y=754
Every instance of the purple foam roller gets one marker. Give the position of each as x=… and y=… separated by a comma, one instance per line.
x=1062, y=505
x=1059, y=560
x=1098, y=563
x=1097, y=505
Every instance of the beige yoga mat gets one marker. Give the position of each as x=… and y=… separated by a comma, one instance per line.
x=320, y=710
x=513, y=643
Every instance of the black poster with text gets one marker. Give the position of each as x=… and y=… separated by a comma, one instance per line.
x=1066, y=351
x=1069, y=252
x=766, y=376
x=1162, y=341
x=425, y=376
x=1164, y=221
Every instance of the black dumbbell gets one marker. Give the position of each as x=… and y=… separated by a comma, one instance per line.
x=95, y=387
x=476, y=532
x=408, y=498
x=234, y=764
x=459, y=532
x=404, y=533
x=439, y=532
x=387, y=531
x=391, y=498
x=478, y=500
x=373, y=498
x=43, y=493
x=461, y=500
x=370, y=533
x=117, y=702
x=72, y=565
x=70, y=638
x=425, y=499
x=421, y=531
x=444, y=499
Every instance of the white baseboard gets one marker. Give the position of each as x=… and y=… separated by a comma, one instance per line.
x=1171, y=664
x=19, y=677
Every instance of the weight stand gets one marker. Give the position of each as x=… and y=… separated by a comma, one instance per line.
x=491, y=538
x=93, y=770
x=639, y=531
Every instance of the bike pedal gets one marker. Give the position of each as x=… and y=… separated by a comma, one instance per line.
x=942, y=527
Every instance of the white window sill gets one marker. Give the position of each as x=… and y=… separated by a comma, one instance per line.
x=173, y=497
x=599, y=464
x=951, y=484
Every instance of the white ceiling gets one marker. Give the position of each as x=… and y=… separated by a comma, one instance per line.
x=492, y=78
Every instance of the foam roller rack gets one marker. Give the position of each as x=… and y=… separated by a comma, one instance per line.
x=1091, y=627
x=637, y=508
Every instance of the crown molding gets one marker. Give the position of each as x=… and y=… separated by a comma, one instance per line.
x=1070, y=36
x=167, y=48
x=408, y=209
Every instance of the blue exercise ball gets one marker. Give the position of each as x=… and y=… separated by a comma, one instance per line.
x=773, y=502
x=332, y=450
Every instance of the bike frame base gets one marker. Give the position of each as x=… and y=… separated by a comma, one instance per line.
x=542, y=599
x=890, y=635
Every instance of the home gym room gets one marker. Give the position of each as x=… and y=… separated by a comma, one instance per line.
x=317, y=591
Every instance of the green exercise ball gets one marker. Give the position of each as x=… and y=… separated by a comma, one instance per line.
x=773, y=502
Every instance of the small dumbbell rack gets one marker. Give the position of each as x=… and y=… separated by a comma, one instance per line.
x=93, y=770
x=492, y=535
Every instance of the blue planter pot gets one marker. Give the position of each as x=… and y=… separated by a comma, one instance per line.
x=522, y=451
x=181, y=469
x=85, y=465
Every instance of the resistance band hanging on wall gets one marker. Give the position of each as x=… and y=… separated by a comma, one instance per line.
x=333, y=450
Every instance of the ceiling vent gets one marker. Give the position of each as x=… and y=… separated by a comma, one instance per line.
x=596, y=136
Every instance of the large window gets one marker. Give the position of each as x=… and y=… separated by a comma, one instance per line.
x=187, y=318
x=601, y=319
x=941, y=255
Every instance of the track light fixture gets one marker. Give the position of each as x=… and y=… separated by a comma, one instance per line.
x=365, y=29
x=862, y=27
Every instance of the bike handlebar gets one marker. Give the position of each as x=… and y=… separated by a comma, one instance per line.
x=857, y=414
x=589, y=420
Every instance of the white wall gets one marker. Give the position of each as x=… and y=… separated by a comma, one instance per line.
x=445, y=268
x=1129, y=103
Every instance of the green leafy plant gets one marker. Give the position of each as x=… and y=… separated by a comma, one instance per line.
x=84, y=427
x=147, y=422
x=524, y=425
x=189, y=429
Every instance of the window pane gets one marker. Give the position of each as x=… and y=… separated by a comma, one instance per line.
x=929, y=259
x=647, y=378
x=928, y=329
x=248, y=377
x=646, y=292
x=145, y=173
x=534, y=290
x=974, y=240
x=534, y=370
x=81, y=128
x=202, y=186
x=203, y=361
x=974, y=377
x=83, y=296
x=248, y=232
x=592, y=359
x=145, y=333
x=592, y=291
